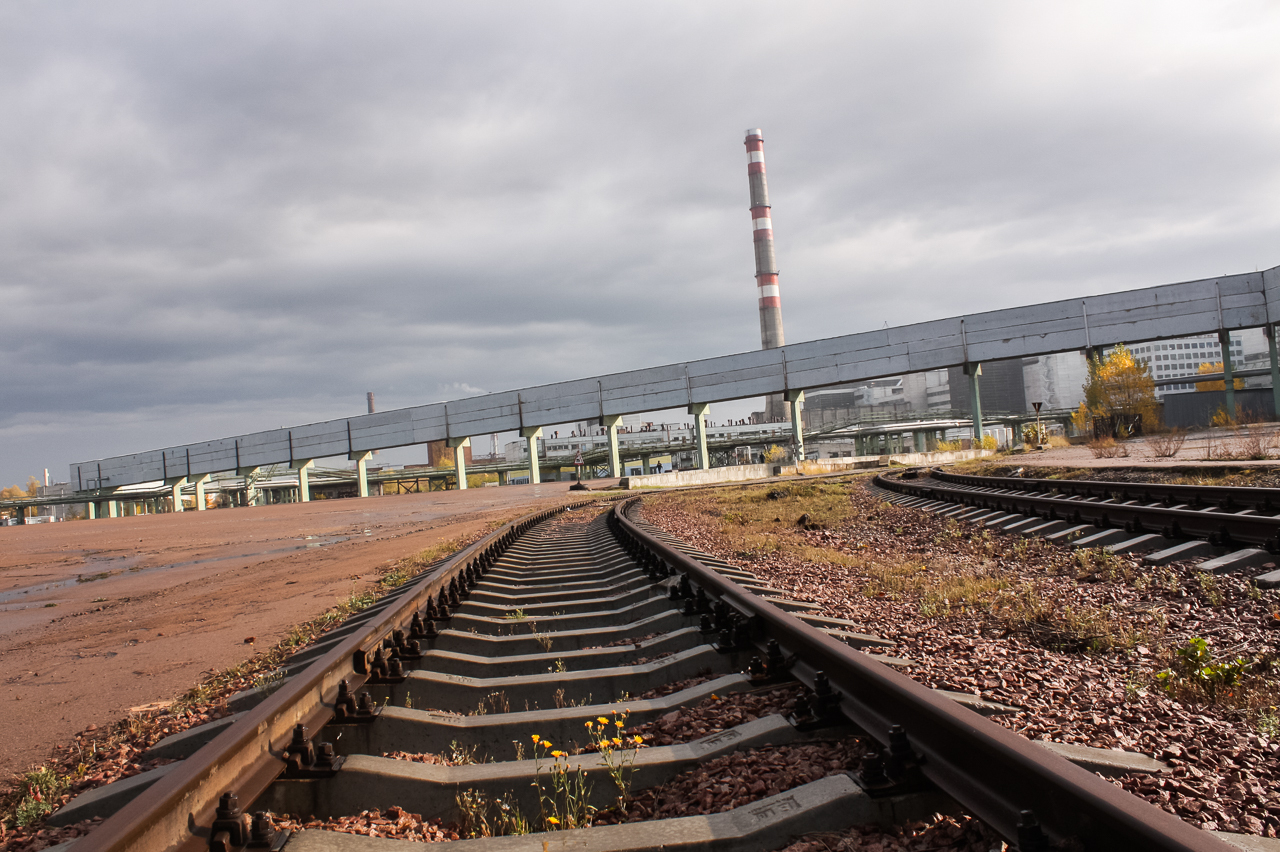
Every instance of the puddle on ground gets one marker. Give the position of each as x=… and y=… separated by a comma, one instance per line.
x=104, y=568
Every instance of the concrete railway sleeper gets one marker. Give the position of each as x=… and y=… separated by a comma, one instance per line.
x=1162, y=523
x=552, y=624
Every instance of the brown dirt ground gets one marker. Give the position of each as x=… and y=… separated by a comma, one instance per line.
x=183, y=593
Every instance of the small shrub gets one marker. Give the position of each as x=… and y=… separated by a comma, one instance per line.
x=1107, y=448
x=1166, y=446
x=1255, y=444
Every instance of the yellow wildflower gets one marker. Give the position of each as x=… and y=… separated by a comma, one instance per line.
x=617, y=741
x=637, y=739
x=601, y=719
x=553, y=820
x=536, y=738
x=618, y=723
x=557, y=753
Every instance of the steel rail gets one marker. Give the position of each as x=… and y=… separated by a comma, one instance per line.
x=1225, y=497
x=992, y=772
x=176, y=813
x=1221, y=528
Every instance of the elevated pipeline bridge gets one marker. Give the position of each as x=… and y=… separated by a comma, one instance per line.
x=280, y=484
x=1218, y=305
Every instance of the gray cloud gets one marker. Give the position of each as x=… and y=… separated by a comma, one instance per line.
x=222, y=217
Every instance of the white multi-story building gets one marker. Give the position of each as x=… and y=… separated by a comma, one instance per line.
x=1183, y=357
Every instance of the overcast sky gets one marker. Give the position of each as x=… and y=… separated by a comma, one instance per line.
x=222, y=217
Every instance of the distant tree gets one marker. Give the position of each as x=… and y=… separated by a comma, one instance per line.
x=1121, y=390
x=14, y=492
x=17, y=492
x=1220, y=384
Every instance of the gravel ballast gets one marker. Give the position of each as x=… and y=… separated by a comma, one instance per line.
x=1222, y=757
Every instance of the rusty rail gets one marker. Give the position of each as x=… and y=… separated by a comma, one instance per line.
x=177, y=812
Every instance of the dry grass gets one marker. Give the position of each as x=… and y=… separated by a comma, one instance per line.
x=1107, y=448
x=762, y=519
x=757, y=520
x=1025, y=607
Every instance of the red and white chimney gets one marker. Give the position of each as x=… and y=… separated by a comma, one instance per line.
x=771, y=336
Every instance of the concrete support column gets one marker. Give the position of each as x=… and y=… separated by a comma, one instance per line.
x=1275, y=370
x=91, y=510
x=974, y=369
x=610, y=423
x=200, y=501
x=250, y=475
x=175, y=485
x=532, y=434
x=362, y=470
x=644, y=465
x=1228, y=380
x=795, y=400
x=699, y=412
x=113, y=508
x=303, y=467
x=460, y=459
x=502, y=477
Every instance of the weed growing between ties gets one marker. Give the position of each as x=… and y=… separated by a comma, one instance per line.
x=483, y=816
x=617, y=751
x=563, y=789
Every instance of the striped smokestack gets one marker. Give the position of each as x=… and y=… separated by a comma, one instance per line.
x=771, y=336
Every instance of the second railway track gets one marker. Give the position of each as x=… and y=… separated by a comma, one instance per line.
x=558, y=626
x=1240, y=526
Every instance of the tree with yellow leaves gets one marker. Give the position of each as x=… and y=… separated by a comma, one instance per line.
x=1121, y=390
x=14, y=492
x=1220, y=384
x=17, y=492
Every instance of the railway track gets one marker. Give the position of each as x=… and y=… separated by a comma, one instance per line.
x=1238, y=527
x=560, y=625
